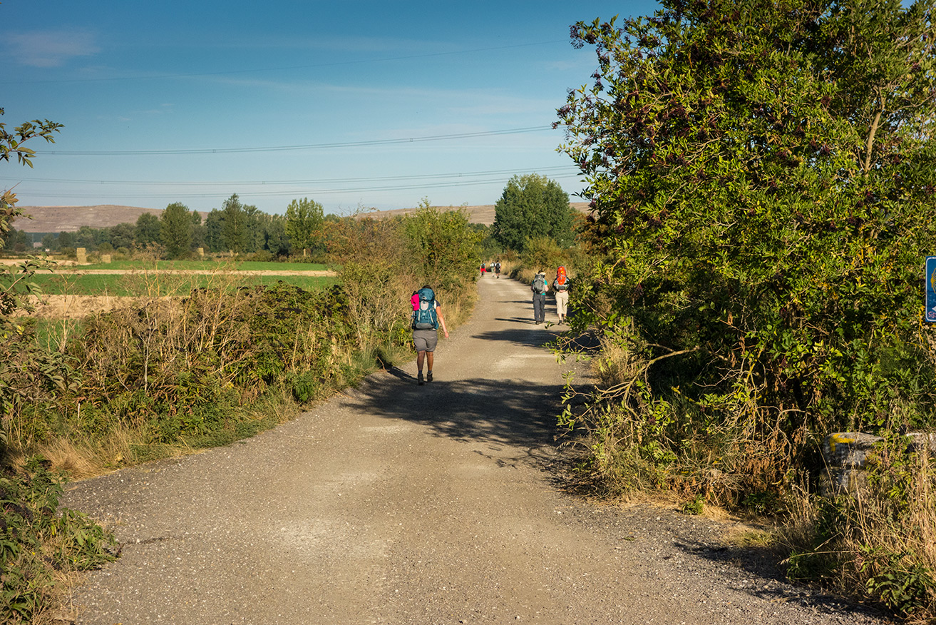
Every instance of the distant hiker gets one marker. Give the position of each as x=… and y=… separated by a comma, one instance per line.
x=414, y=300
x=497, y=269
x=561, y=288
x=539, y=287
x=483, y=268
x=426, y=319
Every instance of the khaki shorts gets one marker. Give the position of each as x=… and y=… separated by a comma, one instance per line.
x=425, y=340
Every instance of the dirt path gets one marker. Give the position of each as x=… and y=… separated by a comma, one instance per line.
x=396, y=503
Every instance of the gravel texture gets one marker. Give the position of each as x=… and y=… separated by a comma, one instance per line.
x=399, y=503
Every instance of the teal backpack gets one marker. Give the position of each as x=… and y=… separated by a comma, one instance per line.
x=425, y=317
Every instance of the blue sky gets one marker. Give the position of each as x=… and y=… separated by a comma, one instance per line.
x=351, y=104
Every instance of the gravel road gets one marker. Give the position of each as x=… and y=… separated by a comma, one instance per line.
x=398, y=503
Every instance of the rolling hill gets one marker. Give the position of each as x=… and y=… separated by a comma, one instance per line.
x=56, y=219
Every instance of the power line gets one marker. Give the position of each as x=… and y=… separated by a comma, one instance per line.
x=319, y=146
x=313, y=181
x=283, y=68
x=304, y=192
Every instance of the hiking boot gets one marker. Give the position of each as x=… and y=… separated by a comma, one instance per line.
x=429, y=377
x=419, y=378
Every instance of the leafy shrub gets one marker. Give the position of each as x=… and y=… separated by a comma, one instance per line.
x=757, y=226
x=694, y=506
x=38, y=541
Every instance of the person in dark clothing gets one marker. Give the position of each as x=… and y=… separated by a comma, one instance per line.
x=539, y=287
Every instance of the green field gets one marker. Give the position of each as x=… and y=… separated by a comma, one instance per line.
x=227, y=265
x=149, y=284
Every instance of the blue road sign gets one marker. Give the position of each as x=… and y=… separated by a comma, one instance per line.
x=930, y=289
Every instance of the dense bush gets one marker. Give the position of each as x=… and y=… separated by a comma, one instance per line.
x=760, y=216
x=761, y=174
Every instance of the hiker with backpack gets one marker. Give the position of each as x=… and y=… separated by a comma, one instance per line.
x=497, y=269
x=539, y=287
x=561, y=289
x=427, y=317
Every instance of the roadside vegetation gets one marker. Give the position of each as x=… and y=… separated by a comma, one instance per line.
x=761, y=175
x=190, y=361
x=749, y=280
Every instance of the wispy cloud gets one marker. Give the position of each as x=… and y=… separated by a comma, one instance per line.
x=50, y=48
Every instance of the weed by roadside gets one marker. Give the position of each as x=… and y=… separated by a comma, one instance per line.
x=877, y=543
x=41, y=544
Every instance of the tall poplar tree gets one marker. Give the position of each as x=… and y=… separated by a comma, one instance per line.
x=175, y=230
x=234, y=225
x=304, y=220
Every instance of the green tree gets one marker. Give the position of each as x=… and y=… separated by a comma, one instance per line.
x=66, y=240
x=147, y=230
x=12, y=145
x=275, y=240
x=214, y=231
x=761, y=174
x=16, y=240
x=444, y=245
x=89, y=238
x=254, y=220
x=50, y=242
x=235, y=222
x=175, y=230
x=122, y=235
x=199, y=231
x=304, y=220
x=532, y=206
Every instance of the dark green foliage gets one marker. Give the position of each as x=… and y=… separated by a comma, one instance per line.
x=235, y=231
x=67, y=240
x=532, y=206
x=16, y=241
x=37, y=539
x=442, y=247
x=762, y=193
x=121, y=236
x=304, y=219
x=214, y=236
x=762, y=176
x=274, y=237
x=175, y=230
x=147, y=230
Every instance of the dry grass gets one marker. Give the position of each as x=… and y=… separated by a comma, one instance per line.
x=76, y=460
x=879, y=543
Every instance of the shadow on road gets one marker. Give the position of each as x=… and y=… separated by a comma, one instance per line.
x=763, y=563
x=531, y=335
x=508, y=412
x=528, y=302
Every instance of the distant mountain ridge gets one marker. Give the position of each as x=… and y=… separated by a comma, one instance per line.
x=57, y=219
x=481, y=214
